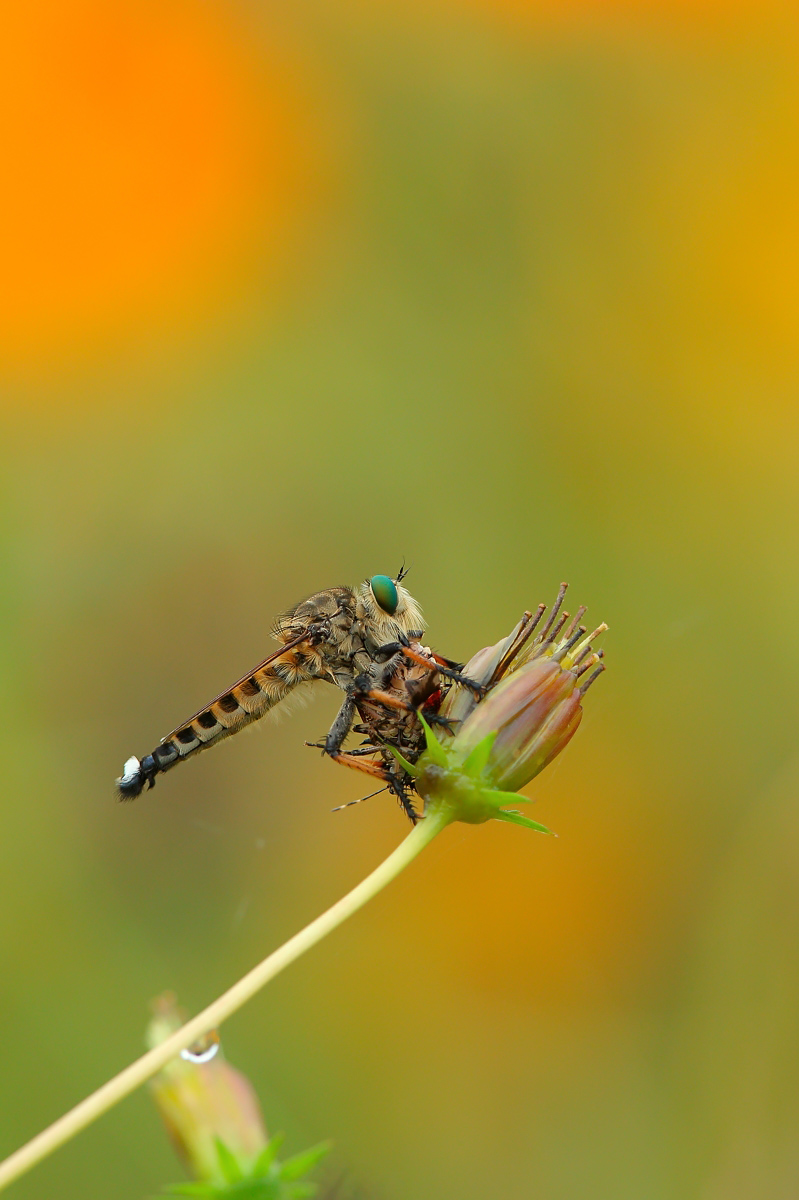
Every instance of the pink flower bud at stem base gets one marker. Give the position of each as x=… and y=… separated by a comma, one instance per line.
x=204, y=1103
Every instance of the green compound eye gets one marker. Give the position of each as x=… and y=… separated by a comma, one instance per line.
x=385, y=593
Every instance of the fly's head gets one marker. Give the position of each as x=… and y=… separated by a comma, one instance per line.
x=388, y=609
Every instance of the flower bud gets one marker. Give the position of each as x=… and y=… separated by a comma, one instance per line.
x=530, y=710
x=204, y=1101
x=533, y=712
x=459, y=702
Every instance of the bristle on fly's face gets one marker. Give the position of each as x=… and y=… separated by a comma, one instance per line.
x=132, y=780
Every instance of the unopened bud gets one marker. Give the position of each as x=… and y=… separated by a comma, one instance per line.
x=204, y=1101
x=533, y=713
x=531, y=709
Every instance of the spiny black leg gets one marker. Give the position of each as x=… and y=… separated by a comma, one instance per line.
x=402, y=792
x=391, y=648
x=463, y=680
x=341, y=726
x=382, y=676
x=435, y=719
x=449, y=662
x=444, y=666
x=358, y=752
x=451, y=670
x=453, y=673
x=339, y=730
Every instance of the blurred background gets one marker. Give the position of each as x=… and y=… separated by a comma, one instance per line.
x=510, y=289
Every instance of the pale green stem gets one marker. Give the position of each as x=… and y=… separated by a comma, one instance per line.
x=144, y=1068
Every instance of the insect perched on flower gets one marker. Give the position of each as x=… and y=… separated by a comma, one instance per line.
x=366, y=641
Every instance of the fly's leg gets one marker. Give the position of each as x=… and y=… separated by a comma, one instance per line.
x=372, y=687
x=443, y=666
x=394, y=783
x=389, y=701
x=360, y=752
x=338, y=732
x=399, y=787
x=456, y=675
x=342, y=725
x=360, y=687
x=359, y=764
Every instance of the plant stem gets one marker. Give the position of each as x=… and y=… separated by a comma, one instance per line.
x=144, y=1068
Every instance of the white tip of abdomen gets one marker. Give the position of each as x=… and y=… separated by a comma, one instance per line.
x=131, y=770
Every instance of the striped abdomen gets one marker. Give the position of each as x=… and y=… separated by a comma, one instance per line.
x=246, y=701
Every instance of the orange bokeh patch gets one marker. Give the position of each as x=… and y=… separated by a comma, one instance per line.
x=143, y=153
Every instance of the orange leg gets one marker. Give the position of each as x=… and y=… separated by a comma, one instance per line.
x=421, y=661
x=360, y=764
x=387, y=700
x=394, y=784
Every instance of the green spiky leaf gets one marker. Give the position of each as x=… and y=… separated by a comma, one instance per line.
x=435, y=750
x=498, y=798
x=477, y=759
x=403, y=762
x=256, y=1189
x=301, y=1164
x=229, y=1165
x=517, y=819
x=267, y=1156
x=245, y=1189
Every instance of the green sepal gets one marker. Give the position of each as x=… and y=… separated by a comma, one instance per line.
x=435, y=750
x=517, y=819
x=496, y=797
x=254, y=1189
x=477, y=758
x=403, y=762
x=301, y=1164
x=267, y=1156
x=232, y=1171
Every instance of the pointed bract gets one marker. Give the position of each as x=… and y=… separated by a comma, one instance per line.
x=435, y=751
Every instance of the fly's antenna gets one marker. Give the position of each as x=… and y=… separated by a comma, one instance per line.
x=403, y=571
x=350, y=803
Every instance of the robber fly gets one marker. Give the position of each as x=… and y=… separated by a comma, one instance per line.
x=366, y=641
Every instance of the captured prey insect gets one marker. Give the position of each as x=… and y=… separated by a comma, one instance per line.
x=366, y=641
